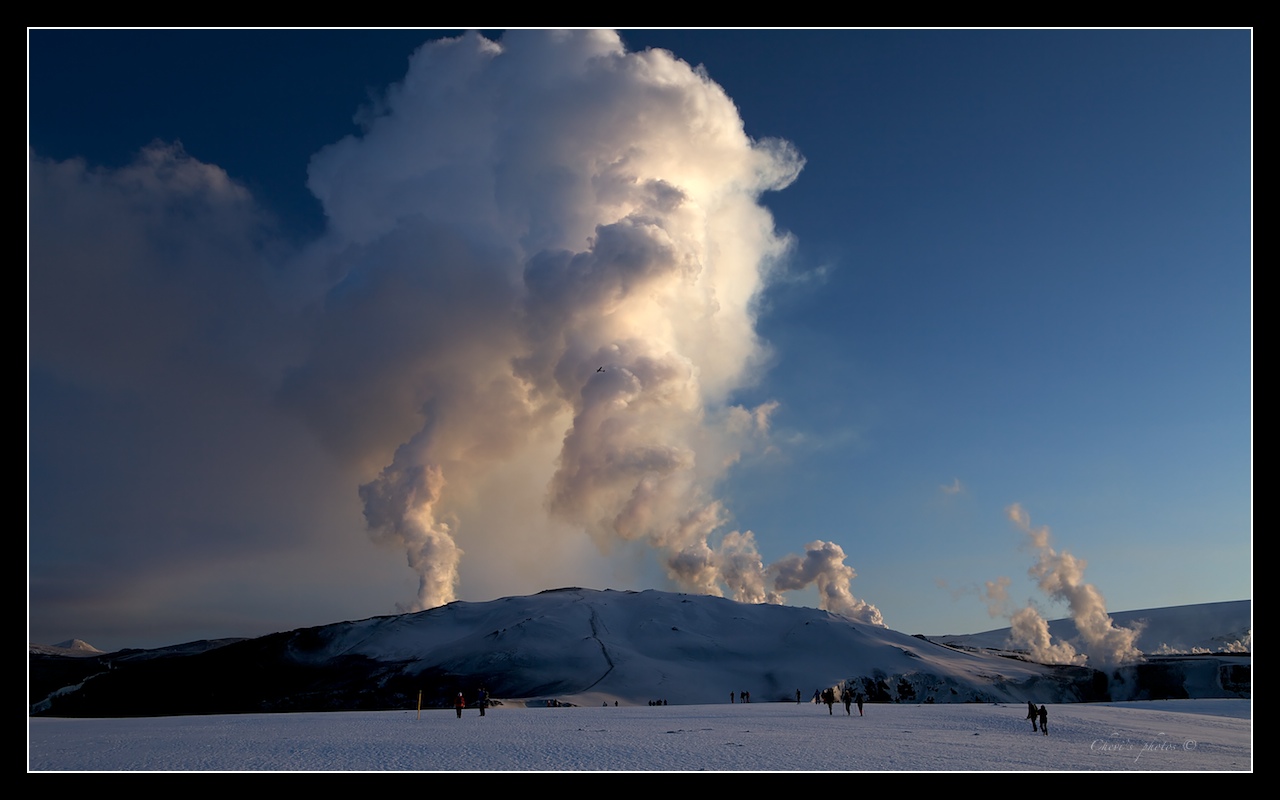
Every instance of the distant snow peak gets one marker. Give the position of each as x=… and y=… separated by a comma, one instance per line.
x=77, y=644
x=71, y=647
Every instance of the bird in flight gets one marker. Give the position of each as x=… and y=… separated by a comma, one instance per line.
x=601, y=369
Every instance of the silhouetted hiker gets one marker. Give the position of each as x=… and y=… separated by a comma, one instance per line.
x=1032, y=715
x=846, y=697
x=482, y=700
x=859, y=705
x=797, y=697
x=1044, y=721
x=829, y=697
x=458, y=704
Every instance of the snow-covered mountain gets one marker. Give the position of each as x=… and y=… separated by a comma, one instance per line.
x=72, y=647
x=586, y=646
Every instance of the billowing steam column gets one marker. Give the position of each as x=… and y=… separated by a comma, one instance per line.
x=543, y=241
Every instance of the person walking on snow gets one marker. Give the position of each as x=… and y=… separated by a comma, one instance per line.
x=459, y=704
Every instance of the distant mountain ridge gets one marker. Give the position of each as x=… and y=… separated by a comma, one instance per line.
x=587, y=647
x=1202, y=628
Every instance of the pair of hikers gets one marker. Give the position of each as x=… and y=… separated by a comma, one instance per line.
x=482, y=702
x=1038, y=714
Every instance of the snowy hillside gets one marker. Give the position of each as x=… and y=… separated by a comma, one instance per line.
x=587, y=647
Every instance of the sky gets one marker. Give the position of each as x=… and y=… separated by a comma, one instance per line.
x=928, y=328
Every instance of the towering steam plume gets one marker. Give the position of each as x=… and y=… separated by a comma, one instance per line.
x=1061, y=576
x=546, y=252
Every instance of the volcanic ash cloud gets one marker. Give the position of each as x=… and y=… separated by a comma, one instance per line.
x=543, y=242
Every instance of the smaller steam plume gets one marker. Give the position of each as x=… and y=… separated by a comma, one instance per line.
x=823, y=564
x=400, y=509
x=1060, y=575
x=1031, y=630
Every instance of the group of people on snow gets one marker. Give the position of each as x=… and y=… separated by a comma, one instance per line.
x=828, y=696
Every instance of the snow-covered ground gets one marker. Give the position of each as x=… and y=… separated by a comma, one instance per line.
x=1196, y=735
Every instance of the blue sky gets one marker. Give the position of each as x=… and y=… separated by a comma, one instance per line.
x=1020, y=272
